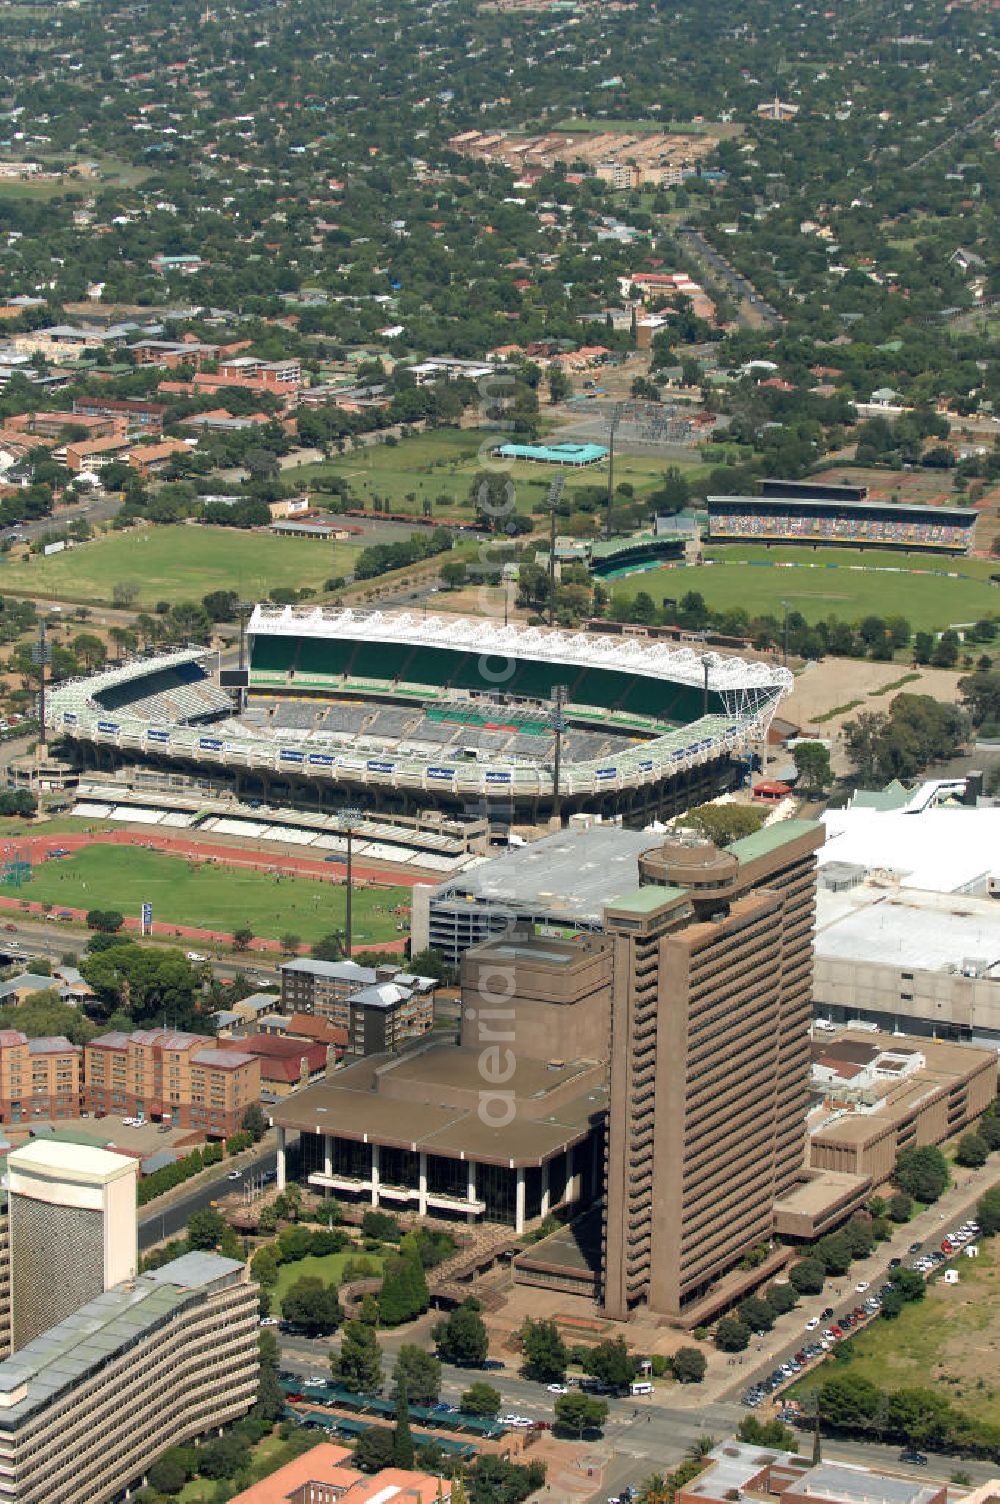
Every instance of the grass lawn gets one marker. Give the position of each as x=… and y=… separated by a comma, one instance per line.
x=950, y=1341
x=329, y=1268
x=265, y=1458
x=439, y=467
x=178, y=563
x=212, y=897
x=857, y=587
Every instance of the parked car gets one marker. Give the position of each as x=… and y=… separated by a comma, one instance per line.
x=812, y=1323
x=197, y=957
x=916, y=1459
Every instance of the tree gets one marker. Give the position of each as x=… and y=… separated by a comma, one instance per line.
x=270, y=1403
x=731, y=1335
x=374, y=1449
x=910, y=1284
x=612, y=1363
x=221, y=1458
x=988, y=1212
x=946, y=650
x=205, y=1227
x=108, y=921
x=402, y=1437
x=812, y=762
x=404, y=1292
x=243, y=937
x=577, y=1412
x=264, y=1267
x=900, y=1206
x=461, y=1336
x=453, y=573
x=807, y=1276
x=921, y=1172
x=544, y=1351
x=848, y=1402
x=973, y=1151
x=254, y=1122
x=725, y=823
x=329, y=948
x=756, y=1314
x=167, y=1474
x=312, y=1306
x=768, y=1433
x=782, y=1298
x=834, y=1252
x=419, y=1373
x=688, y=1365
x=359, y=1363
x=481, y=1399
x=290, y=944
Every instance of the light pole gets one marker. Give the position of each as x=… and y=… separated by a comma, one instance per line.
x=243, y=609
x=559, y=723
x=347, y=819
x=41, y=654
x=708, y=662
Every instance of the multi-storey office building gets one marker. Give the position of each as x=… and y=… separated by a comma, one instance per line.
x=709, y=1060
x=381, y=1007
x=72, y=1230
x=87, y=1405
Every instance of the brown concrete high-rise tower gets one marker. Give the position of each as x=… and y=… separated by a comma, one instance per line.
x=709, y=1063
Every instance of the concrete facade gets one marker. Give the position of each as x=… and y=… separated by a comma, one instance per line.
x=709, y=1061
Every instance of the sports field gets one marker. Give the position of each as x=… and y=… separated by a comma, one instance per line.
x=212, y=897
x=178, y=563
x=440, y=467
x=932, y=593
x=950, y=1341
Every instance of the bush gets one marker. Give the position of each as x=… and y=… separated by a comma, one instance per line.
x=381, y=1226
x=988, y=1212
x=105, y=920
x=900, y=1206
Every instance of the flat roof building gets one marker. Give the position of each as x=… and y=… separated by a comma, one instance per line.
x=657, y=1067
x=92, y=1399
x=746, y=1471
x=72, y=1230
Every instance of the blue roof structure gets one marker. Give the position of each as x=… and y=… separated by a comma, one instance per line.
x=554, y=454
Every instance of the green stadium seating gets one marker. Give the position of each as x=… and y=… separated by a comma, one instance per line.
x=320, y=657
x=274, y=654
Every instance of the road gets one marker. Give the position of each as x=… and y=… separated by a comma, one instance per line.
x=169, y=1215
x=753, y=308
x=95, y=509
x=54, y=939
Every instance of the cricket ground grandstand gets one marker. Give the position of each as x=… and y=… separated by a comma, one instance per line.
x=397, y=712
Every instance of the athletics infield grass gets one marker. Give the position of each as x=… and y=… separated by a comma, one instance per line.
x=213, y=897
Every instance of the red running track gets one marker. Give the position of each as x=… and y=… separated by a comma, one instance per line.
x=36, y=848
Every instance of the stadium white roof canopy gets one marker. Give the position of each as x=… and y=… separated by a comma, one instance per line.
x=623, y=654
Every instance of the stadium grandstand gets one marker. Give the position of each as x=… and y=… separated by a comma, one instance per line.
x=399, y=712
x=844, y=523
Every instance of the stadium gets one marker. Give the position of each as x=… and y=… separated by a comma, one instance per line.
x=398, y=713
x=844, y=523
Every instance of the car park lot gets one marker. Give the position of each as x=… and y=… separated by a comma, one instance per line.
x=820, y=1333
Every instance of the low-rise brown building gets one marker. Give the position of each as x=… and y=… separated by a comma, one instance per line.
x=284, y=1064
x=165, y=1075
x=762, y=1475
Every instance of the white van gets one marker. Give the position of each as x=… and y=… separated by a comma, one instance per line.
x=642, y=1386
